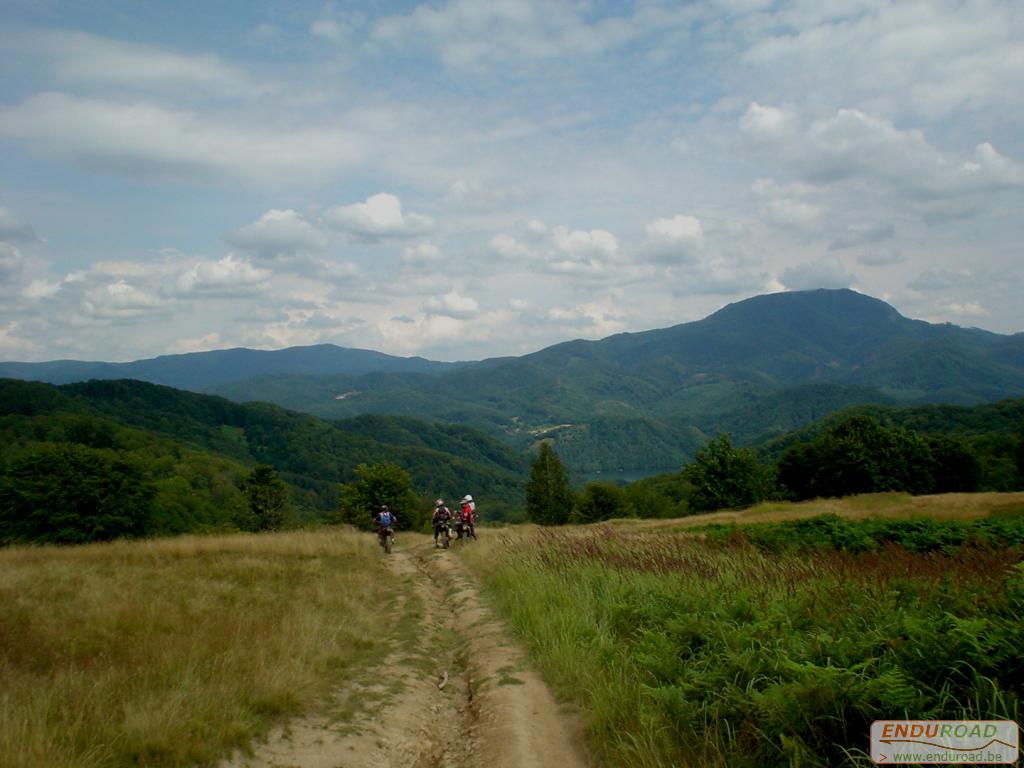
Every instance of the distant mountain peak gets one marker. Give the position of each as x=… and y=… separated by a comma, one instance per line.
x=842, y=301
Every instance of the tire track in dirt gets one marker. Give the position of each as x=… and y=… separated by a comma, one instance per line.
x=454, y=691
x=519, y=722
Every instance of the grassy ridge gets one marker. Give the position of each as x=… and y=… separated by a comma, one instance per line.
x=169, y=652
x=686, y=651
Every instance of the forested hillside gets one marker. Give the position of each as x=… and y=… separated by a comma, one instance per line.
x=640, y=401
x=191, y=453
x=633, y=402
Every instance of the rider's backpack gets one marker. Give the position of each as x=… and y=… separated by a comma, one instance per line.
x=386, y=519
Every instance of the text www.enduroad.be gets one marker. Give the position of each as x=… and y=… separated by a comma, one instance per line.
x=950, y=757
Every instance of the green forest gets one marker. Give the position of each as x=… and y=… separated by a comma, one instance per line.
x=864, y=449
x=127, y=458
x=122, y=458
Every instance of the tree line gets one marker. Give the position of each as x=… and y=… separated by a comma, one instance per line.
x=71, y=472
x=856, y=454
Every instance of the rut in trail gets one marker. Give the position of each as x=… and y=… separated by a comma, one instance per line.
x=455, y=691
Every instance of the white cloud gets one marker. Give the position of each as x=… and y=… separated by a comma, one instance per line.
x=380, y=217
x=933, y=58
x=422, y=254
x=787, y=205
x=853, y=158
x=968, y=309
x=121, y=300
x=82, y=58
x=469, y=34
x=40, y=289
x=826, y=272
x=581, y=245
x=330, y=30
x=674, y=240
x=508, y=247
x=15, y=229
x=150, y=140
x=592, y=319
x=853, y=144
x=718, y=273
x=678, y=228
x=766, y=123
x=280, y=233
x=939, y=279
x=14, y=346
x=12, y=269
x=230, y=275
x=862, y=234
x=452, y=305
x=475, y=195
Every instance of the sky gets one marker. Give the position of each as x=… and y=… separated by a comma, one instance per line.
x=465, y=179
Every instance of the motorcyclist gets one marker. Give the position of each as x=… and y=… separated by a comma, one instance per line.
x=441, y=517
x=468, y=515
x=385, y=519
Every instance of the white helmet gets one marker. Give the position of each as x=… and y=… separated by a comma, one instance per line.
x=439, y=503
x=467, y=497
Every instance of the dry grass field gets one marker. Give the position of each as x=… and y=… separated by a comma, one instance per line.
x=169, y=652
x=894, y=506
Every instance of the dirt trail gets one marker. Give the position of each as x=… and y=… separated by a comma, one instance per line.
x=455, y=692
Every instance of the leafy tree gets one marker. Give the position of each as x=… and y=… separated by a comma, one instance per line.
x=268, y=499
x=378, y=484
x=954, y=466
x=549, y=499
x=858, y=455
x=70, y=494
x=726, y=477
x=660, y=496
x=599, y=501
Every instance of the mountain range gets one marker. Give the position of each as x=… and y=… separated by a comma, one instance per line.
x=633, y=401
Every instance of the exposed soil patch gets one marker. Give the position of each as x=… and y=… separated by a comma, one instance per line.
x=455, y=691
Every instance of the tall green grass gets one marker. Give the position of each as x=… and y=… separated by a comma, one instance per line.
x=921, y=534
x=687, y=652
x=169, y=653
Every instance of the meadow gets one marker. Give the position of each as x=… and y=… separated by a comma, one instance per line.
x=171, y=652
x=770, y=636
x=774, y=643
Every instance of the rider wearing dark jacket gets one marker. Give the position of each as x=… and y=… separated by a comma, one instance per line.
x=441, y=517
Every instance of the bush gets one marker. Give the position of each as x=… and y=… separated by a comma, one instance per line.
x=599, y=501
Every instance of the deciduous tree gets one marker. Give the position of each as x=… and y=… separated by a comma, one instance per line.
x=378, y=484
x=725, y=477
x=70, y=494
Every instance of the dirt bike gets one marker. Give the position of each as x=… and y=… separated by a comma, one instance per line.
x=386, y=536
x=442, y=533
x=464, y=529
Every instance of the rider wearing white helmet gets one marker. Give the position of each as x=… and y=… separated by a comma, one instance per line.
x=469, y=513
x=440, y=517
